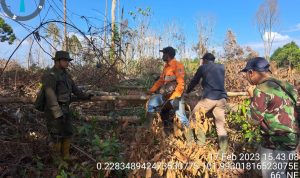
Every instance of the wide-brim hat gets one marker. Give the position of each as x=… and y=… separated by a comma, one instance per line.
x=62, y=55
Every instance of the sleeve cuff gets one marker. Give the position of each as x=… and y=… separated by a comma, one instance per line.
x=57, y=114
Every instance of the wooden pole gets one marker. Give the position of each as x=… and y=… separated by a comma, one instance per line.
x=65, y=27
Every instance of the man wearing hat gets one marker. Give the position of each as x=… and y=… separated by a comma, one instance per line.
x=213, y=97
x=170, y=86
x=58, y=86
x=272, y=108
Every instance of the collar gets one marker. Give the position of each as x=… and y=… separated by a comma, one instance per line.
x=172, y=61
x=265, y=79
x=59, y=71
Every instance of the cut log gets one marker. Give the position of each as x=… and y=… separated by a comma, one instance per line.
x=5, y=100
x=124, y=97
x=132, y=87
x=232, y=94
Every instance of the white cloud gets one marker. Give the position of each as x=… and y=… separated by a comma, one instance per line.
x=259, y=46
x=294, y=28
x=277, y=37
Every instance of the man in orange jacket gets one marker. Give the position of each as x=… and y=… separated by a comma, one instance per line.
x=171, y=87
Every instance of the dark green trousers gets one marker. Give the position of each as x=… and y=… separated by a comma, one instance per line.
x=59, y=128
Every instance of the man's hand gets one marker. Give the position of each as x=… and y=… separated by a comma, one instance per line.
x=162, y=91
x=250, y=90
x=148, y=92
x=62, y=119
x=90, y=95
x=185, y=95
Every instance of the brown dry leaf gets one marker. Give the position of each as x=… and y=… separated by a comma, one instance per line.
x=202, y=111
x=178, y=132
x=124, y=126
x=170, y=173
x=161, y=170
x=180, y=157
x=194, y=171
x=206, y=174
x=148, y=173
x=107, y=173
x=156, y=157
x=205, y=126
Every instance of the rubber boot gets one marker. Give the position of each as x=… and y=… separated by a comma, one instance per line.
x=189, y=136
x=56, y=152
x=65, y=148
x=201, y=137
x=223, y=144
x=149, y=119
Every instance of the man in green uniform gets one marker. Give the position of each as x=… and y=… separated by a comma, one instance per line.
x=58, y=86
x=272, y=108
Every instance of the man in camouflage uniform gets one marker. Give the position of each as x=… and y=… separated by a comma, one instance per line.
x=272, y=108
x=58, y=86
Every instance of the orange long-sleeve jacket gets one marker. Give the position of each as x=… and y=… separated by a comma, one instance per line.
x=173, y=70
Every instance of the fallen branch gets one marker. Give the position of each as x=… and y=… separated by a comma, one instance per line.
x=83, y=152
x=132, y=119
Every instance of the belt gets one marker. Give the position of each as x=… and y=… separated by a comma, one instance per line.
x=63, y=104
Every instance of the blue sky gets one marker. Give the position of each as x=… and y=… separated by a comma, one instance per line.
x=237, y=15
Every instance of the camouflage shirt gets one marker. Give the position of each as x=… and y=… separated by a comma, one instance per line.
x=274, y=110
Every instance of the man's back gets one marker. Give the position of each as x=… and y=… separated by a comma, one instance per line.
x=212, y=81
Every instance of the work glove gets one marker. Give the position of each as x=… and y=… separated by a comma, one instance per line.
x=87, y=96
x=90, y=95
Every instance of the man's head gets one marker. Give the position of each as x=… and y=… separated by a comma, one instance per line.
x=62, y=59
x=208, y=57
x=256, y=70
x=168, y=53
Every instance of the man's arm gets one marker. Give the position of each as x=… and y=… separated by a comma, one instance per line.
x=195, y=80
x=49, y=84
x=157, y=84
x=77, y=91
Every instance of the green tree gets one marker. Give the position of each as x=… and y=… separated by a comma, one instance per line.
x=6, y=32
x=74, y=46
x=288, y=55
x=53, y=32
